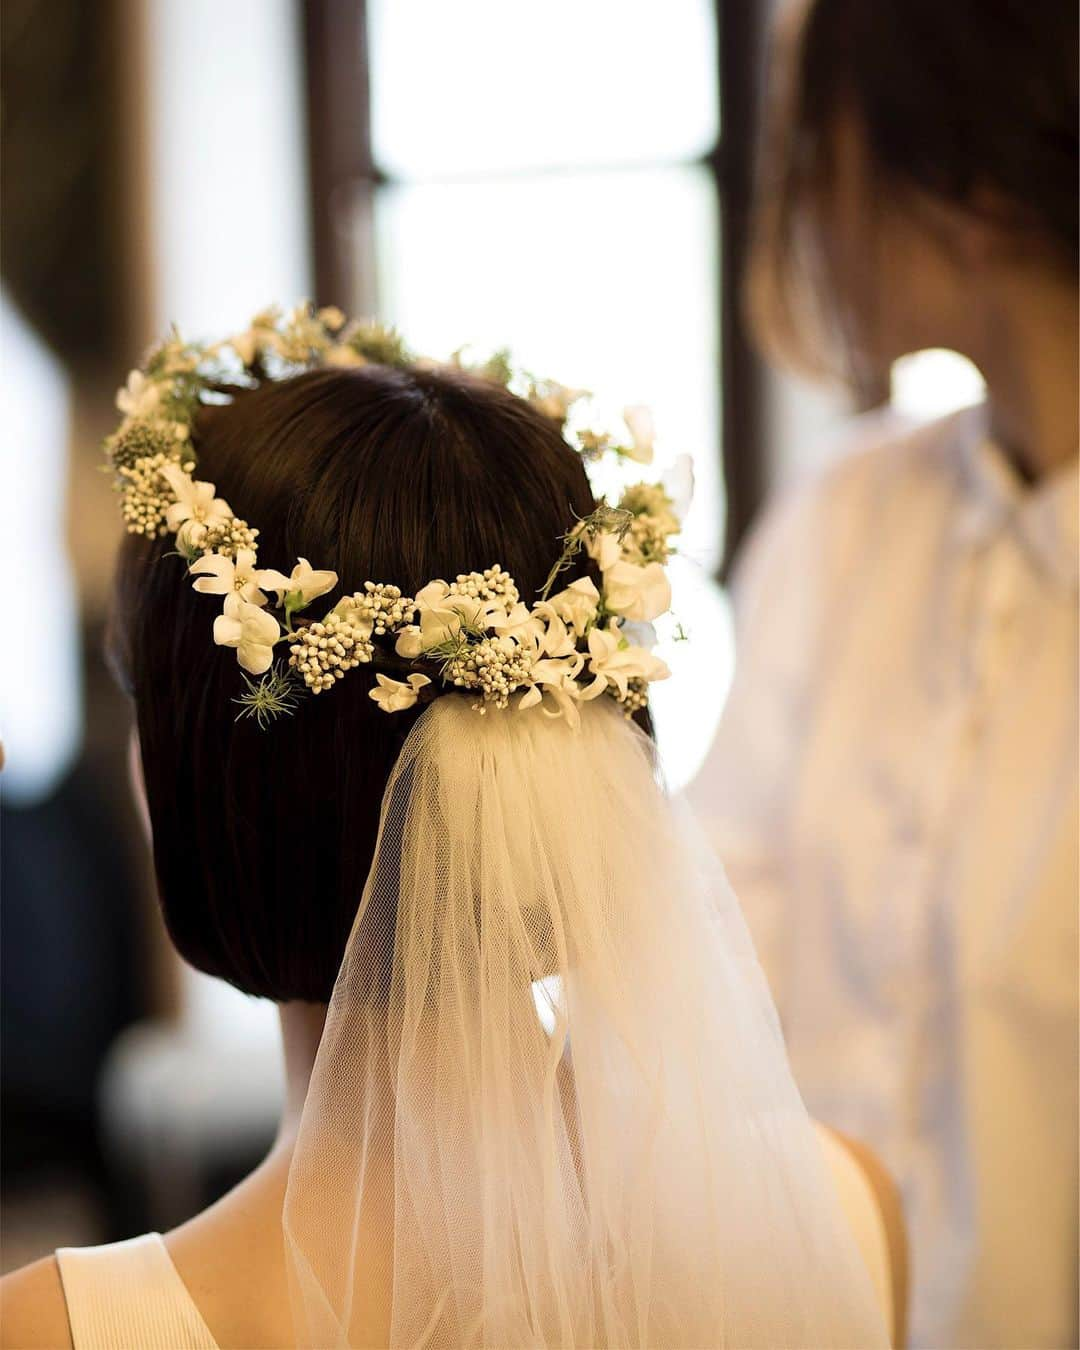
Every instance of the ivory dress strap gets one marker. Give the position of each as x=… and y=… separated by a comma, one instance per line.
x=863, y=1213
x=129, y=1294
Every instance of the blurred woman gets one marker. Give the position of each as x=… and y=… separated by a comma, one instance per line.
x=894, y=786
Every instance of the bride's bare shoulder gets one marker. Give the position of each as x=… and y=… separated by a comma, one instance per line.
x=33, y=1314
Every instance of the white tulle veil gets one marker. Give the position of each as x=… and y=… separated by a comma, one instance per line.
x=560, y=1113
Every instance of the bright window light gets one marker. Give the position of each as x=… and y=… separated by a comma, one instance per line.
x=547, y=199
x=604, y=281
x=535, y=263
x=40, y=700
x=686, y=709
x=933, y=383
x=227, y=179
x=229, y=233
x=488, y=86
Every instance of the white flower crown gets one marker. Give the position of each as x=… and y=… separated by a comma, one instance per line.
x=474, y=633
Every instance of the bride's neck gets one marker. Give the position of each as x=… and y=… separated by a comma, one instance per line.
x=302, y=1026
x=301, y=1029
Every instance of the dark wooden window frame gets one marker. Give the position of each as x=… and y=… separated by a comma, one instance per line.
x=344, y=179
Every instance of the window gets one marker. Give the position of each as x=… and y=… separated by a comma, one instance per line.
x=228, y=231
x=40, y=699
x=548, y=175
x=228, y=236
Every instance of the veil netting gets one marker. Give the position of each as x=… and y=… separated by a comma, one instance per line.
x=551, y=1105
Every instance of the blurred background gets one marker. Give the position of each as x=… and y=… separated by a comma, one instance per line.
x=570, y=178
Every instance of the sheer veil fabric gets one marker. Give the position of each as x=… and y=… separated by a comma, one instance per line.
x=551, y=1105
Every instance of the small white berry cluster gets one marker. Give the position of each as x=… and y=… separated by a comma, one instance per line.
x=384, y=607
x=145, y=496
x=636, y=697
x=140, y=439
x=652, y=522
x=495, y=666
x=323, y=652
x=227, y=537
x=493, y=583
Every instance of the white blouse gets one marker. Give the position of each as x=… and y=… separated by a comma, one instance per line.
x=894, y=791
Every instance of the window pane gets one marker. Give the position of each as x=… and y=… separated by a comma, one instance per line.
x=464, y=87
x=229, y=215
x=40, y=701
x=604, y=281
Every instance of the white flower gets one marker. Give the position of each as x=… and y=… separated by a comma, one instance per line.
x=636, y=592
x=653, y=520
x=577, y=605
x=250, y=630
x=554, y=680
x=194, y=501
x=410, y=642
x=613, y=661
x=442, y=615
x=139, y=397
x=519, y=622
x=604, y=548
x=563, y=704
x=552, y=637
x=190, y=536
x=331, y=316
x=640, y=422
x=229, y=576
x=305, y=583
x=394, y=695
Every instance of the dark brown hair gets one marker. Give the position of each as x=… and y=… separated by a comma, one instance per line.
x=263, y=838
x=971, y=102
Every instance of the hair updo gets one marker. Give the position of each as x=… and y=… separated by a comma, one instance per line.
x=263, y=840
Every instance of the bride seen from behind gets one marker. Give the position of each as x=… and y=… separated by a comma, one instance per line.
x=536, y=1090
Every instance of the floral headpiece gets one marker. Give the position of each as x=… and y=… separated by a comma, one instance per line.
x=474, y=633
